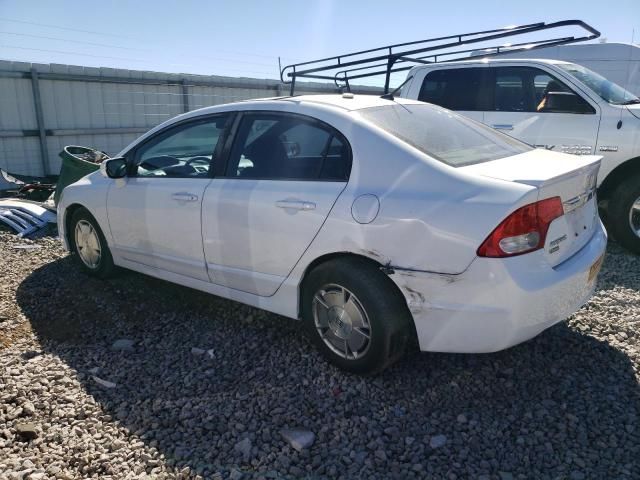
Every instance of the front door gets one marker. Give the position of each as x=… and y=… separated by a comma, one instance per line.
x=154, y=214
x=536, y=107
x=285, y=173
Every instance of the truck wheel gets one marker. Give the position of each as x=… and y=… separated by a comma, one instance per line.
x=89, y=245
x=624, y=214
x=355, y=315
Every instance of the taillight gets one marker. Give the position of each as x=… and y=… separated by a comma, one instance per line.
x=525, y=230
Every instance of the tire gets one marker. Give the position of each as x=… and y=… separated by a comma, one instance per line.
x=368, y=297
x=620, y=216
x=92, y=254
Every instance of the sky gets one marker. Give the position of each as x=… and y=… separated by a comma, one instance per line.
x=244, y=38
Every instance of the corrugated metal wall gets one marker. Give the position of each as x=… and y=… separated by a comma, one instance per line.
x=103, y=108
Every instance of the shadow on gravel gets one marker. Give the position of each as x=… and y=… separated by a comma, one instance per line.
x=563, y=405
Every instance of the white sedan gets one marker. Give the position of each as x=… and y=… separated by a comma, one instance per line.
x=381, y=223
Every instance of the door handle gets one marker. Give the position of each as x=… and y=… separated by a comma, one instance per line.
x=502, y=126
x=184, y=197
x=296, y=204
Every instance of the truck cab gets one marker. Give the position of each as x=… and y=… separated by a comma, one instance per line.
x=555, y=105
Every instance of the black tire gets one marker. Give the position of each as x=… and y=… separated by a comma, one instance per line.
x=104, y=266
x=619, y=208
x=391, y=325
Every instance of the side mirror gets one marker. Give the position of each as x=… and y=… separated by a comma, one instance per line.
x=114, y=167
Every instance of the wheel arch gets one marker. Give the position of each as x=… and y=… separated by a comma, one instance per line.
x=333, y=256
x=623, y=171
x=68, y=216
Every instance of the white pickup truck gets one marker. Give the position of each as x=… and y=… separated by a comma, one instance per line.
x=556, y=105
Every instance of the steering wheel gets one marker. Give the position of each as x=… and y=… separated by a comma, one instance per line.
x=199, y=159
x=159, y=162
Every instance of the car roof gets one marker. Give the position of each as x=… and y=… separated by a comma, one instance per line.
x=349, y=101
x=487, y=60
x=342, y=102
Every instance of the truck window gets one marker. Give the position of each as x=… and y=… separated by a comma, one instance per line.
x=455, y=89
x=529, y=89
x=606, y=89
x=510, y=91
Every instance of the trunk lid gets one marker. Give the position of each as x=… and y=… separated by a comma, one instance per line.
x=570, y=177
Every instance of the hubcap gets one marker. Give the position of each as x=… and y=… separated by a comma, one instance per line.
x=88, y=244
x=634, y=217
x=341, y=321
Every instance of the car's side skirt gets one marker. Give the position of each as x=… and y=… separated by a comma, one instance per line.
x=277, y=303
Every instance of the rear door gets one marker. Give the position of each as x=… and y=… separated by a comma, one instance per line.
x=284, y=174
x=462, y=89
x=535, y=106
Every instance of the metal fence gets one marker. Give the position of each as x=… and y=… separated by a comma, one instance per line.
x=46, y=107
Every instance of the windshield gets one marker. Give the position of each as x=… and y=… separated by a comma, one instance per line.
x=606, y=89
x=443, y=134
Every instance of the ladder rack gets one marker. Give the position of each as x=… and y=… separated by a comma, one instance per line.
x=394, y=58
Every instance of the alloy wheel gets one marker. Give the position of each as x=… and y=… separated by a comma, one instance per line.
x=88, y=244
x=634, y=217
x=341, y=321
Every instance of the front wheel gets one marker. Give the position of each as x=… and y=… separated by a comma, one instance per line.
x=89, y=245
x=624, y=214
x=355, y=315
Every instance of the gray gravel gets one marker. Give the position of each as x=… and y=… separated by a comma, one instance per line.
x=193, y=385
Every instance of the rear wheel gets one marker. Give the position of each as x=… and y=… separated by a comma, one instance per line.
x=355, y=315
x=89, y=245
x=624, y=214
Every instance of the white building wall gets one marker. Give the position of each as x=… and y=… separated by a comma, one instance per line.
x=86, y=112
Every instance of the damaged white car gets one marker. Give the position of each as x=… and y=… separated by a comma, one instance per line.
x=381, y=223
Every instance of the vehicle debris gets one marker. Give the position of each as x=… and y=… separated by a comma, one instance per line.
x=104, y=383
x=9, y=183
x=123, y=345
x=26, y=247
x=24, y=216
x=27, y=204
x=37, y=189
x=298, y=439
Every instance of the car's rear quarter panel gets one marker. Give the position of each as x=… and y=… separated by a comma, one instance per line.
x=432, y=217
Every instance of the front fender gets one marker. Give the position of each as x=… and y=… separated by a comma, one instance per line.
x=89, y=192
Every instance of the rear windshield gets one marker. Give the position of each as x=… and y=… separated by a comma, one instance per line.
x=444, y=135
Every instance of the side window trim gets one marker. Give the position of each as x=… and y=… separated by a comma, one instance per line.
x=223, y=148
x=234, y=138
x=133, y=154
x=325, y=152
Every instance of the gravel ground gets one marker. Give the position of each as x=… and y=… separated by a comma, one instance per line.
x=200, y=386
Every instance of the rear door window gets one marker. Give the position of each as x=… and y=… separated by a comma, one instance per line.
x=456, y=89
x=272, y=146
x=511, y=90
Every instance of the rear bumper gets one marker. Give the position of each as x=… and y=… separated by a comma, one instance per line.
x=498, y=303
